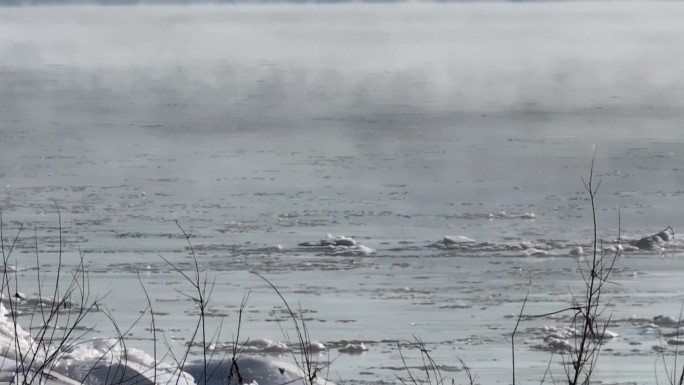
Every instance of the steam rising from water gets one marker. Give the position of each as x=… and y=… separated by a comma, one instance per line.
x=462, y=56
x=340, y=77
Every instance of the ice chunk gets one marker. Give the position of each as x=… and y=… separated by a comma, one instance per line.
x=609, y=334
x=266, y=345
x=317, y=347
x=666, y=321
x=450, y=240
x=331, y=240
x=353, y=348
x=576, y=251
x=533, y=252
x=353, y=251
x=652, y=242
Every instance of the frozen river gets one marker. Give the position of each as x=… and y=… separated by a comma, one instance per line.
x=259, y=128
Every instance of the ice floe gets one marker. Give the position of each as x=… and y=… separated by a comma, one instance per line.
x=534, y=252
x=658, y=243
x=353, y=348
x=505, y=215
x=339, y=246
x=666, y=321
x=23, y=302
x=317, y=347
x=576, y=251
x=352, y=251
x=469, y=245
x=499, y=215
x=560, y=339
x=449, y=240
x=655, y=241
x=264, y=345
x=330, y=240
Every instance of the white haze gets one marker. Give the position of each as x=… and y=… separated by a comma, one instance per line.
x=255, y=66
x=483, y=55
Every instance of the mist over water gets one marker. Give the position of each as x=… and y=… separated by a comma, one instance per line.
x=261, y=127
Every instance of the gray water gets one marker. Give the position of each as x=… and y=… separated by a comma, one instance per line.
x=261, y=127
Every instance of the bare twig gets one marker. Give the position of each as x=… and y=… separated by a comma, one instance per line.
x=515, y=329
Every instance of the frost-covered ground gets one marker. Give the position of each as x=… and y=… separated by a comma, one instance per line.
x=264, y=128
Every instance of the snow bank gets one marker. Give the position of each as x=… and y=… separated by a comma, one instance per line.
x=106, y=361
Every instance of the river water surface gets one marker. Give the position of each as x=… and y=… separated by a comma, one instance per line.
x=257, y=128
